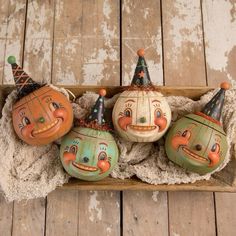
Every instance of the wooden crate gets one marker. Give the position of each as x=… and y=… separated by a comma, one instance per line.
x=223, y=181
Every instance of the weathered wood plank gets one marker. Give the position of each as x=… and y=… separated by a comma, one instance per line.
x=5, y=217
x=13, y=25
x=191, y=213
x=225, y=213
x=145, y=213
x=86, y=42
x=141, y=28
x=62, y=216
x=135, y=184
x=3, y=33
x=29, y=218
x=183, y=43
x=39, y=39
x=219, y=20
x=99, y=213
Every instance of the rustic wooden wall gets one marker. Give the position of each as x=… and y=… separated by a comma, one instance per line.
x=94, y=42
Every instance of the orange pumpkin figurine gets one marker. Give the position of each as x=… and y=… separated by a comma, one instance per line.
x=41, y=114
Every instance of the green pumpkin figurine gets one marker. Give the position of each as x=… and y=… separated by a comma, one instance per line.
x=197, y=142
x=89, y=152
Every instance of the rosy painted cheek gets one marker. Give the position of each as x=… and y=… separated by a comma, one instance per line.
x=68, y=156
x=214, y=158
x=103, y=165
x=60, y=113
x=124, y=122
x=161, y=122
x=27, y=130
x=178, y=141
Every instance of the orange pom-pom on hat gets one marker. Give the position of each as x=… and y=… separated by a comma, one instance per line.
x=102, y=92
x=141, y=52
x=225, y=85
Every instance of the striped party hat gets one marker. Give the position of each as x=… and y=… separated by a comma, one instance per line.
x=24, y=84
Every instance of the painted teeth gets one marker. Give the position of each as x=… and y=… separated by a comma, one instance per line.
x=46, y=127
x=83, y=167
x=194, y=155
x=142, y=128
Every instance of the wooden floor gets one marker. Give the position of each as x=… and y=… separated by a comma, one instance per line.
x=190, y=43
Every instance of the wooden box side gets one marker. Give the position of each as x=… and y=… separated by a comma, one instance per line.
x=224, y=180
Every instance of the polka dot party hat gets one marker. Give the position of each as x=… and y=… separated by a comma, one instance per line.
x=213, y=109
x=96, y=119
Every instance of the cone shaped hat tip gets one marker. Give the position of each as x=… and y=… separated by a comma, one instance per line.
x=11, y=60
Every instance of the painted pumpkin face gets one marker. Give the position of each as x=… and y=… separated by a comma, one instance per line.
x=88, y=154
x=42, y=116
x=141, y=116
x=196, y=144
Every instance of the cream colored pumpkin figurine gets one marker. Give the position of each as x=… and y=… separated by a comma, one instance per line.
x=141, y=113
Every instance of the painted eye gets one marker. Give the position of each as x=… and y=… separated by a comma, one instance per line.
x=102, y=156
x=86, y=159
x=25, y=121
x=73, y=149
x=128, y=112
x=53, y=106
x=158, y=113
x=186, y=134
x=215, y=148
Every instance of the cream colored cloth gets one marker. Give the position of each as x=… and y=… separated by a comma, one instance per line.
x=29, y=172
x=26, y=171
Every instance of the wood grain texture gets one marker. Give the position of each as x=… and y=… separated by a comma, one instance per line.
x=145, y=213
x=3, y=33
x=99, y=213
x=141, y=28
x=62, y=216
x=219, y=23
x=5, y=217
x=225, y=213
x=38, y=40
x=13, y=27
x=29, y=218
x=191, y=213
x=183, y=43
x=135, y=184
x=86, y=42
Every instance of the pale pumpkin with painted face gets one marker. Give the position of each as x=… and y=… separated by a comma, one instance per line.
x=42, y=116
x=141, y=115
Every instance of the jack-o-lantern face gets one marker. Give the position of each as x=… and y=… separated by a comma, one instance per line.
x=42, y=116
x=141, y=116
x=196, y=144
x=88, y=154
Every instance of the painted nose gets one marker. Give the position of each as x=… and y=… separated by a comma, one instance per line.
x=142, y=119
x=85, y=159
x=41, y=120
x=198, y=147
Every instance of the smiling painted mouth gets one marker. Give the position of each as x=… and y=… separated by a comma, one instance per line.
x=194, y=156
x=46, y=128
x=142, y=128
x=84, y=167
